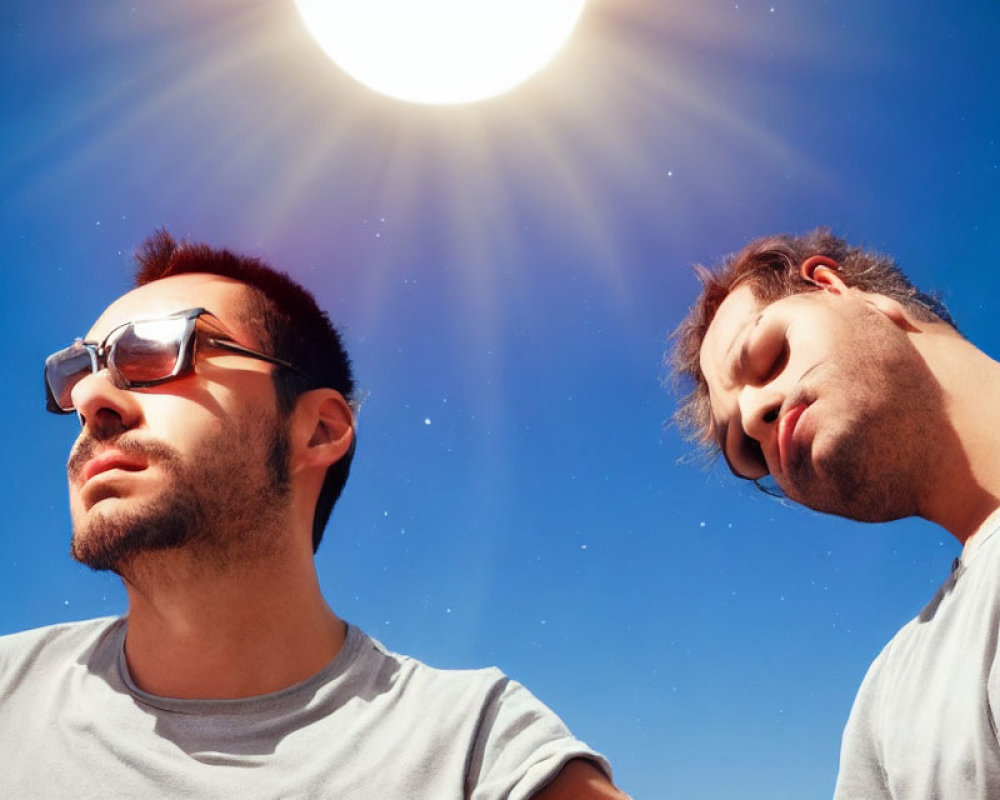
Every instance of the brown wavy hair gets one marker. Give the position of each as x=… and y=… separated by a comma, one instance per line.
x=770, y=267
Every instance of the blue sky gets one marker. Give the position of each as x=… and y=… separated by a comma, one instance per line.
x=506, y=275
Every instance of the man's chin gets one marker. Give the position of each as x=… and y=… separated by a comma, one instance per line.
x=858, y=500
x=120, y=557
x=100, y=558
x=111, y=538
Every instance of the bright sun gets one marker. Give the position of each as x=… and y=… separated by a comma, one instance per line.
x=441, y=51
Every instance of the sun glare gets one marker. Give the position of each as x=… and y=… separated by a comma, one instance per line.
x=441, y=51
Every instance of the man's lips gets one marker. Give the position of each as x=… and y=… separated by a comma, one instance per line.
x=787, y=448
x=108, y=460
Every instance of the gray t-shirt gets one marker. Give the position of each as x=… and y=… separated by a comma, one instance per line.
x=371, y=724
x=924, y=724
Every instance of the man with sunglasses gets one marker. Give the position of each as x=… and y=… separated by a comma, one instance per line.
x=819, y=366
x=217, y=432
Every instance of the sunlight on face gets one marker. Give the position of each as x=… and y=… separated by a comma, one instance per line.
x=441, y=51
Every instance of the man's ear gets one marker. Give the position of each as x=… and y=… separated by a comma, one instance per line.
x=823, y=272
x=322, y=428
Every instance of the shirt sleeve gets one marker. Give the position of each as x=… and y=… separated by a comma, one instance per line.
x=521, y=746
x=861, y=775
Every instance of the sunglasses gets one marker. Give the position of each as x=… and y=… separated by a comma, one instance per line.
x=140, y=354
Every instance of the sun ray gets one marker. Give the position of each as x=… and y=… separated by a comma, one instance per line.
x=307, y=149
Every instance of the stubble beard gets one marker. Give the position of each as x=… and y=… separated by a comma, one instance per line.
x=874, y=467
x=222, y=505
x=870, y=472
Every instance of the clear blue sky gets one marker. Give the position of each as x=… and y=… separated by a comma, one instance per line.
x=506, y=275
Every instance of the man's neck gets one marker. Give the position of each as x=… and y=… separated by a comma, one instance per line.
x=247, y=630
x=964, y=485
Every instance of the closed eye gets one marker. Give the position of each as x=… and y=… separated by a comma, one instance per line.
x=778, y=363
x=765, y=354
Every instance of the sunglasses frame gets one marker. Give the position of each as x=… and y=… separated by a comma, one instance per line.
x=103, y=354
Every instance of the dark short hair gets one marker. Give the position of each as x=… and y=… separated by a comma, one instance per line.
x=289, y=324
x=769, y=266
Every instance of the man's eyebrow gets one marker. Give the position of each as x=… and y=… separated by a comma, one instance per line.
x=732, y=344
x=738, y=361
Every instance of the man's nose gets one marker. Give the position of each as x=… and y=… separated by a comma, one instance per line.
x=759, y=409
x=103, y=408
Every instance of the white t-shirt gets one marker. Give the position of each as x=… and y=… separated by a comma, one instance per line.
x=924, y=724
x=372, y=724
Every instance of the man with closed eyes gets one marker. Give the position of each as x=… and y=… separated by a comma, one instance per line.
x=819, y=364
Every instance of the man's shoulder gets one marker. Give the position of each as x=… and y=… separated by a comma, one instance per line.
x=963, y=605
x=408, y=682
x=64, y=637
x=511, y=737
x=401, y=669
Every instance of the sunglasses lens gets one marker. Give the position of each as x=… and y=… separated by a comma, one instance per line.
x=63, y=370
x=149, y=351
